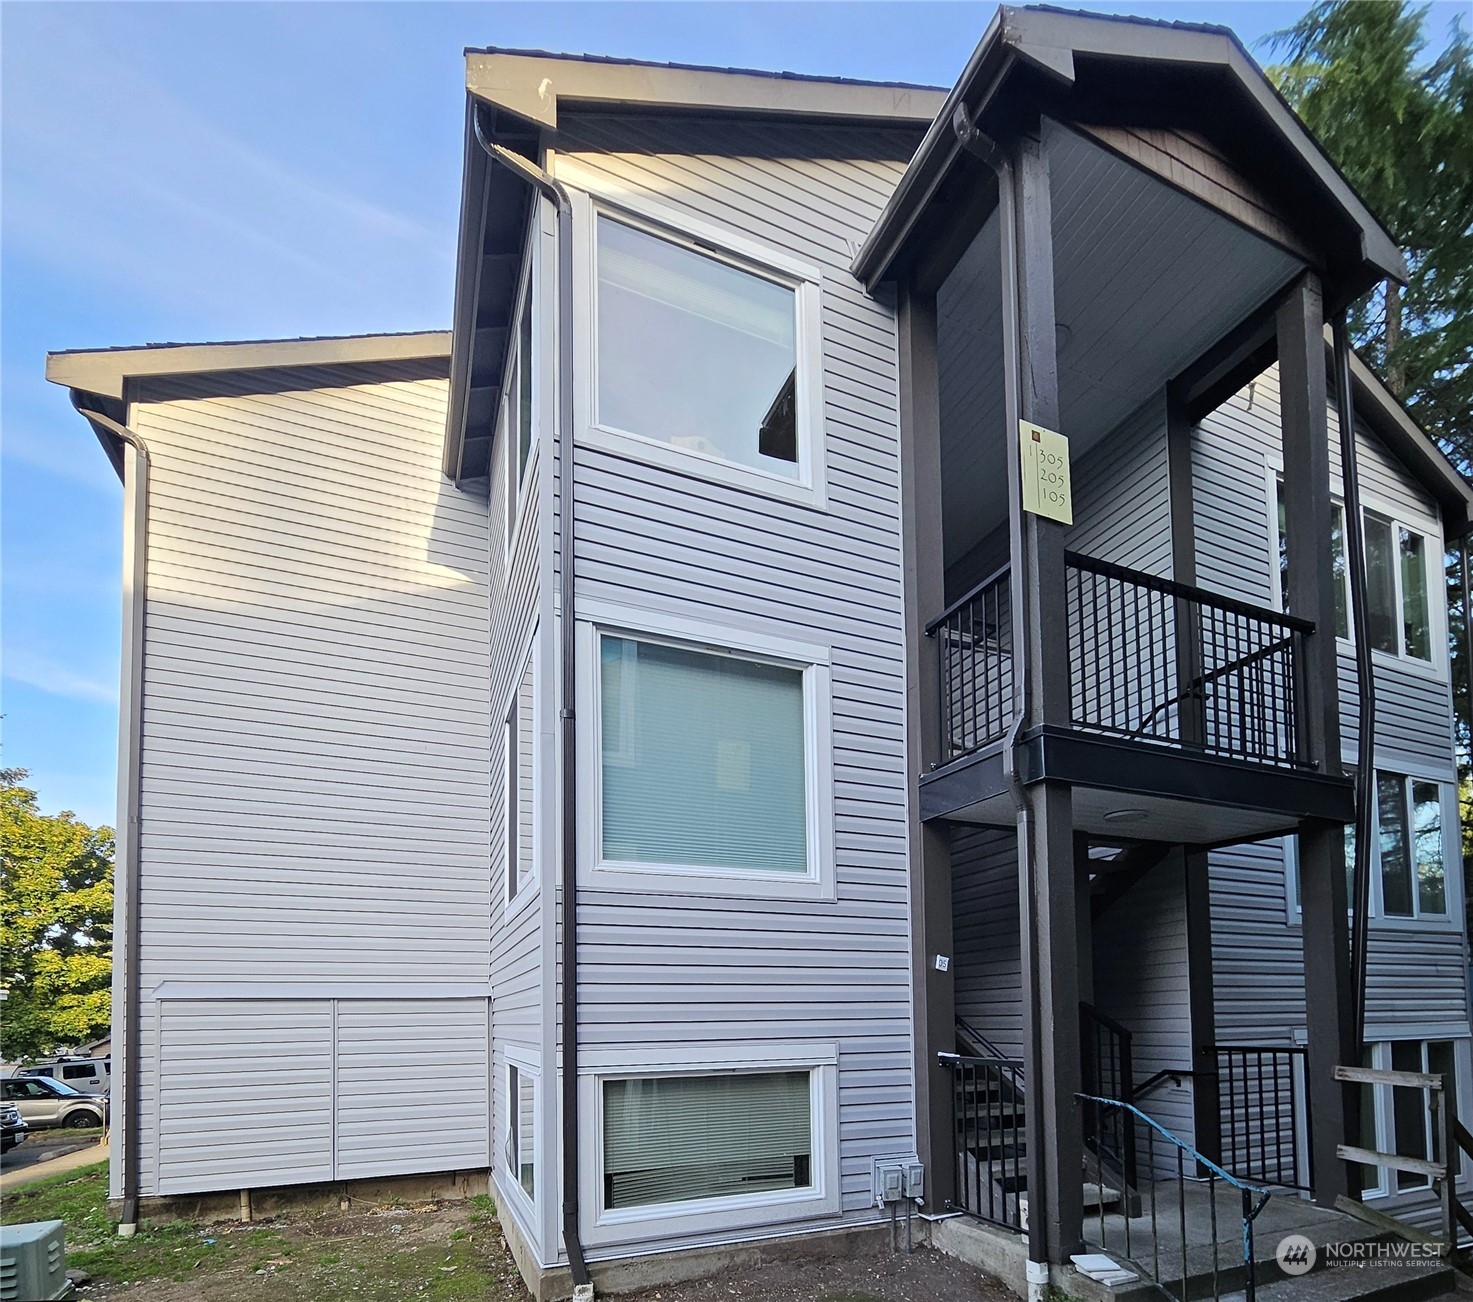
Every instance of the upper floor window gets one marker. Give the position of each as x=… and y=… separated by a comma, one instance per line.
x=521, y=756
x=1398, y=586
x=704, y=352
x=518, y=395
x=695, y=352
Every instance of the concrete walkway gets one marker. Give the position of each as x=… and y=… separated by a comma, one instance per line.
x=68, y=1161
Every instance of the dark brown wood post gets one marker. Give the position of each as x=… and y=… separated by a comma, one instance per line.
x=1307, y=512
x=923, y=560
x=1046, y=846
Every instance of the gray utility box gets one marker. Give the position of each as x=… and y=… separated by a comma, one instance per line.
x=33, y=1262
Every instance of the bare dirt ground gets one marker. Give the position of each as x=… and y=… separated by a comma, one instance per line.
x=921, y=1276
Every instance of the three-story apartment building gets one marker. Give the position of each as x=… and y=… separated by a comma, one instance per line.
x=630, y=744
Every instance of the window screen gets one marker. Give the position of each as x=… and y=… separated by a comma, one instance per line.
x=703, y=759
x=672, y=1139
x=695, y=352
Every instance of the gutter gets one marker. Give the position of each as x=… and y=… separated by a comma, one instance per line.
x=136, y=466
x=544, y=183
x=1365, y=771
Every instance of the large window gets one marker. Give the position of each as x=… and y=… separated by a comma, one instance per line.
x=1398, y=606
x=1398, y=1119
x=703, y=759
x=521, y=752
x=518, y=395
x=698, y=353
x=677, y=1139
x=1409, y=825
x=1409, y=851
x=1337, y=559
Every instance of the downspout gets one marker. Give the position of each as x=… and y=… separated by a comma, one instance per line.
x=550, y=189
x=1365, y=772
x=983, y=147
x=135, y=580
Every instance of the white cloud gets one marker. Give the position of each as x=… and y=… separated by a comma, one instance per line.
x=57, y=679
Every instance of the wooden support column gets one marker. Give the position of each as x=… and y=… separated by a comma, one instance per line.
x=1196, y=883
x=1307, y=514
x=929, y=844
x=1202, y=1005
x=1046, y=847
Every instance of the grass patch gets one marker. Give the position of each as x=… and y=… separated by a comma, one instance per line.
x=448, y=1254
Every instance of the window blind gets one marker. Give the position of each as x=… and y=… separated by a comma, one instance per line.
x=703, y=759
x=671, y=1139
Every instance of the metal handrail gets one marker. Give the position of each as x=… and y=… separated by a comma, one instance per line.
x=1187, y=592
x=1254, y=1198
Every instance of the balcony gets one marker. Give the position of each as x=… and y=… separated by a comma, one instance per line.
x=1186, y=701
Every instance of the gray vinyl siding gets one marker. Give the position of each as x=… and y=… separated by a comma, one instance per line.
x=1122, y=497
x=314, y=789
x=1258, y=959
x=690, y=970
x=1139, y=946
x=986, y=934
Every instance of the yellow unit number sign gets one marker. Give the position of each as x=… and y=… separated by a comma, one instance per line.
x=1046, y=473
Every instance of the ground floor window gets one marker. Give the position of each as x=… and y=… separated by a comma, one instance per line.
x=672, y=1139
x=522, y=1129
x=1398, y=1119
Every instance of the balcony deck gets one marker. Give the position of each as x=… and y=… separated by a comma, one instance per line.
x=1186, y=714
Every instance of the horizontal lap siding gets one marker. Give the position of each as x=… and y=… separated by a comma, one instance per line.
x=987, y=934
x=690, y=971
x=1257, y=950
x=315, y=773
x=1141, y=980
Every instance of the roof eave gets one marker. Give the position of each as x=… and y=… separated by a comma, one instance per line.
x=1050, y=40
x=106, y=371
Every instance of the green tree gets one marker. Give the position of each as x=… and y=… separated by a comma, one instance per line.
x=1400, y=127
x=56, y=875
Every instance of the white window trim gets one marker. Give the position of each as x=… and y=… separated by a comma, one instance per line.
x=528, y=1063
x=511, y=904
x=818, y=883
x=1439, y=667
x=590, y=201
x=1451, y=853
x=518, y=480
x=712, y=1215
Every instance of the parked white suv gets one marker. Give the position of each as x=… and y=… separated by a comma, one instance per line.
x=43, y=1103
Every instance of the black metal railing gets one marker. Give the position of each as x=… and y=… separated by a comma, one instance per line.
x=1173, y=1238
x=990, y=1127
x=1159, y=661
x=1149, y=660
x=974, y=658
x=1107, y=1067
x=1263, y=1105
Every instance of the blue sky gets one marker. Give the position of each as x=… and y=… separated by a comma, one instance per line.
x=234, y=171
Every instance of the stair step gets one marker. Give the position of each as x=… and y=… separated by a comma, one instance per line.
x=1371, y=1282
